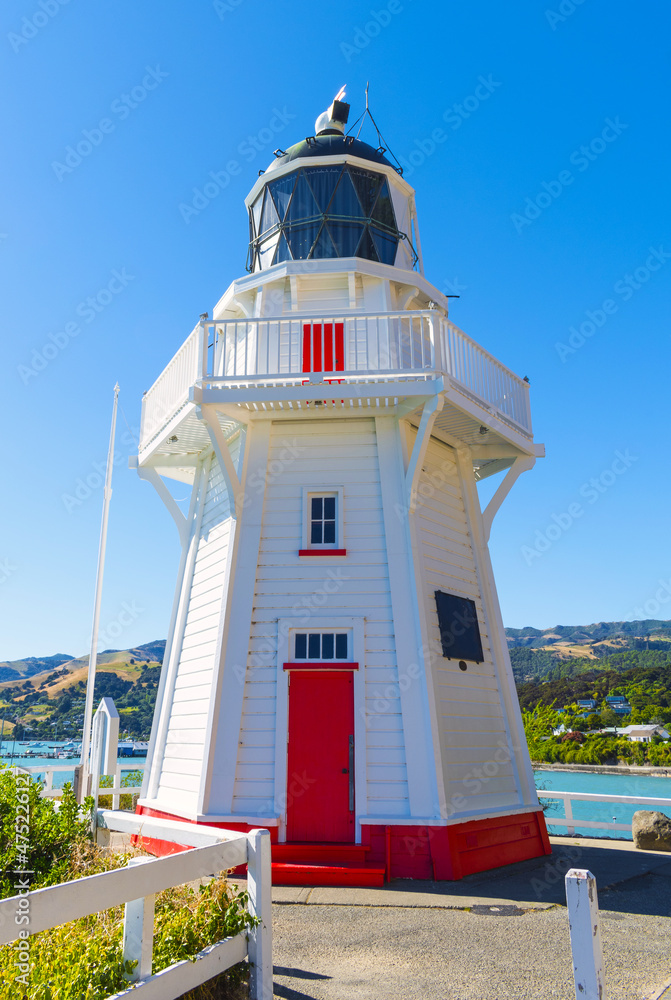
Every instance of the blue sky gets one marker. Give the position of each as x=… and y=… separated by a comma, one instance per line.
x=543, y=198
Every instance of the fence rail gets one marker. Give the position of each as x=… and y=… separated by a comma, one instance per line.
x=413, y=345
x=216, y=850
x=115, y=790
x=570, y=821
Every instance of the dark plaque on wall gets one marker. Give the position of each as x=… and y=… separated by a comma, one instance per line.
x=459, y=630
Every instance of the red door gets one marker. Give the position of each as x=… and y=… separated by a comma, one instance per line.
x=320, y=799
x=323, y=349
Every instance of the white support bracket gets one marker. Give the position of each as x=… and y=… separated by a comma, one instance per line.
x=151, y=476
x=208, y=415
x=429, y=413
x=520, y=465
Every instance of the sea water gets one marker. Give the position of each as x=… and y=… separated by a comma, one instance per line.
x=639, y=785
x=12, y=753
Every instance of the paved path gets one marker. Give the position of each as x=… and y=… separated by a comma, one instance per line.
x=495, y=936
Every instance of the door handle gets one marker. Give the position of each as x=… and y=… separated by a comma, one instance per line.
x=351, y=774
x=345, y=770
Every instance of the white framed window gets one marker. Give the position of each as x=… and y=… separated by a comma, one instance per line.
x=322, y=646
x=323, y=522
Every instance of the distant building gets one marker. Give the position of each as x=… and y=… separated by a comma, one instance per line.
x=588, y=703
x=619, y=704
x=644, y=734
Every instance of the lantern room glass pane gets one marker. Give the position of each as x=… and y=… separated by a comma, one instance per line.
x=324, y=246
x=269, y=216
x=283, y=252
x=301, y=239
x=383, y=211
x=267, y=250
x=386, y=246
x=346, y=238
x=256, y=212
x=366, y=248
x=345, y=202
x=323, y=180
x=303, y=204
x=281, y=191
x=367, y=187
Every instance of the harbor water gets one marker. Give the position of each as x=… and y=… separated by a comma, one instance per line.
x=644, y=785
x=33, y=755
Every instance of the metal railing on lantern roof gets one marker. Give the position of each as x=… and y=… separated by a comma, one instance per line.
x=351, y=347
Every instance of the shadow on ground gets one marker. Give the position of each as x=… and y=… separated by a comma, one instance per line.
x=627, y=881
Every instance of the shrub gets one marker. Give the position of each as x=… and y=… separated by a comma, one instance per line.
x=83, y=960
x=50, y=835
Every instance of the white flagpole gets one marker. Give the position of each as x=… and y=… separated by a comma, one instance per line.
x=81, y=781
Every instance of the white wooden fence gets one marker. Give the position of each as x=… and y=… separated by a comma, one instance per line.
x=115, y=790
x=211, y=850
x=570, y=821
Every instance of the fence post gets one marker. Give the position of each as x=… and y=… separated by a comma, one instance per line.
x=260, y=905
x=583, y=920
x=116, y=796
x=138, y=931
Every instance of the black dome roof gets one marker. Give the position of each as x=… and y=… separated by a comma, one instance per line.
x=330, y=145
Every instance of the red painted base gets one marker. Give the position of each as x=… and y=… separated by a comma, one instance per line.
x=451, y=852
x=422, y=852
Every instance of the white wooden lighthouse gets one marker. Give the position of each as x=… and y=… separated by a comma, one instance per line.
x=336, y=667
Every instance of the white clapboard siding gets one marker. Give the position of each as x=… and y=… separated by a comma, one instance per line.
x=324, y=454
x=468, y=703
x=183, y=755
x=322, y=293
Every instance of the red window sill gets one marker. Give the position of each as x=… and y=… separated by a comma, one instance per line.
x=323, y=665
x=322, y=552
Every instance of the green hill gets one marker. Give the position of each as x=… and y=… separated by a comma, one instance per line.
x=569, y=650
x=49, y=704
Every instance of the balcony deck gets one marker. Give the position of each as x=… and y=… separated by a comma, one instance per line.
x=387, y=359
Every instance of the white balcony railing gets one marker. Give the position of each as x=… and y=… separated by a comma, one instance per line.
x=387, y=346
